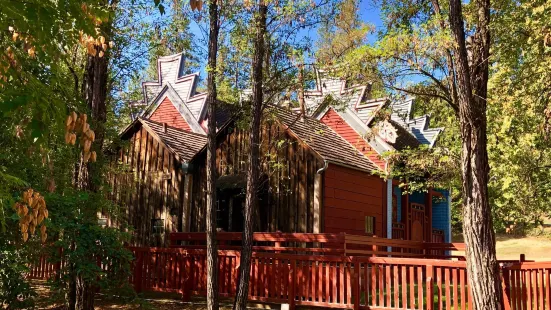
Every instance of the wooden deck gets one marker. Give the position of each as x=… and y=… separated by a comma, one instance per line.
x=334, y=271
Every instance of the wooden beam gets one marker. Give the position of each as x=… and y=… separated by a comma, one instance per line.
x=405, y=216
x=318, y=196
x=186, y=214
x=428, y=214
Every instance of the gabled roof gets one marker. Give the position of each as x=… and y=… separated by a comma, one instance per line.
x=419, y=127
x=352, y=119
x=170, y=72
x=169, y=92
x=183, y=144
x=352, y=97
x=348, y=96
x=323, y=140
x=404, y=138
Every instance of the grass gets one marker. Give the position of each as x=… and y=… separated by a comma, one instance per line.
x=509, y=247
x=535, y=248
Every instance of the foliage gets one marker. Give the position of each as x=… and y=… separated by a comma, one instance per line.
x=15, y=291
x=142, y=33
x=412, y=56
x=32, y=59
x=86, y=246
x=341, y=35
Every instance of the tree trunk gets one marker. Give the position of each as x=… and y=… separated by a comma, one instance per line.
x=301, y=91
x=212, y=246
x=472, y=83
x=84, y=295
x=94, y=93
x=253, y=169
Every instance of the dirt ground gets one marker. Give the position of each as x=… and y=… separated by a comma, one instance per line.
x=152, y=301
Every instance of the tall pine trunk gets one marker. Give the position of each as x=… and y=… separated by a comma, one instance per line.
x=472, y=85
x=94, y=92
x=212, y=246
x=253, y=169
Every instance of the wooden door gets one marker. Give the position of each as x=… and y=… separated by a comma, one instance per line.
x=417, y=222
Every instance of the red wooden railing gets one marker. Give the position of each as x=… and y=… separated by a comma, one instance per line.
x=527, y=285
x=44, y=268
x=359, y=282
x=398, y=231
x=362, y=276
x=438, y=236
x=405, y=283
x=326, y=244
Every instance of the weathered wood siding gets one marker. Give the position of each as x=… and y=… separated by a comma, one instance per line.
x=147, y=181
x=350, y=196
x=287, y=184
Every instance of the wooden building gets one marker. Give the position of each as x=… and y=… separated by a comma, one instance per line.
x=319, y=173
x=304, y=167
x=148, y=178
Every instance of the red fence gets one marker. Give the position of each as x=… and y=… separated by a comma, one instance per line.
x=44, y=269
x=337, y=281
x=326, y=270
x=327, y=244
x=528, y=285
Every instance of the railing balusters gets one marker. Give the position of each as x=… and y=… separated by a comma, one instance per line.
x=359, y=282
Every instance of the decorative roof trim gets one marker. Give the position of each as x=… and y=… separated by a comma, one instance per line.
x=408, y=123
x=159, y=81
x=179, y=104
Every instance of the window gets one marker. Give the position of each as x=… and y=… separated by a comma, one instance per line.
x=157, y=226
x=370, y=225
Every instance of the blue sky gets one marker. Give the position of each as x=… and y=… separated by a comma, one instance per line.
x=369, y=13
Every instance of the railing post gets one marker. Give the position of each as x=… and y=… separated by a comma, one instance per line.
x=138, y=267
x=343, y=235
x=356, y=285
x=522, y=258
x=505, y=287
x=292, y=266
x=187, y=276
x=430, y=288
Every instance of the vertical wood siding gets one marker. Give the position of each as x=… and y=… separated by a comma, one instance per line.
x=349, y=197
x=146, y=180
x=167, y=113
x=339, y=125
x=286, y=187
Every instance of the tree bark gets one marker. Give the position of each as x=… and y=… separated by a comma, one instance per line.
x=472, y=85
x=84, y=294
x=212, y=246
x=301, y=91
x=253, y=169
x=94, y=93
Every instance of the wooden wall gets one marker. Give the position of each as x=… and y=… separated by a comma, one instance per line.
x=350, y=196
x=287, y=184
x=167, y=113
x=147, y=181
x=340, y=126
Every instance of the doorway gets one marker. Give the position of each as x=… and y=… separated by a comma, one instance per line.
x=229, y=209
